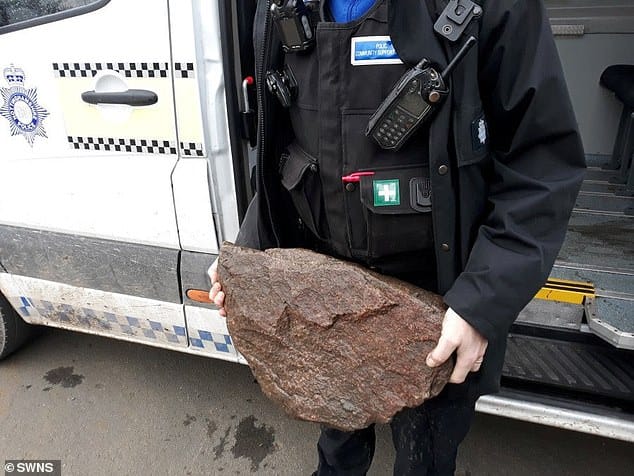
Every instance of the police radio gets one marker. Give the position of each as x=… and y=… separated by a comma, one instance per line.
x=413, y=100
x=295, y=24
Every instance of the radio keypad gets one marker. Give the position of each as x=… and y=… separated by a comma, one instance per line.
x=396, y=125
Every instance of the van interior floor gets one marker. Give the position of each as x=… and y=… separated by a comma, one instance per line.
x=584, y=347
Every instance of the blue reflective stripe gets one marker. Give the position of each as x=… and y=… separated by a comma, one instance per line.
x=196, y=342
x=104, y=322
x=133, y=321
x=220, y=347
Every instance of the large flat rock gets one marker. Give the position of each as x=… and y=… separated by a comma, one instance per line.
x=331, y=341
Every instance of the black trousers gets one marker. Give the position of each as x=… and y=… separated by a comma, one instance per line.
x=425, y=438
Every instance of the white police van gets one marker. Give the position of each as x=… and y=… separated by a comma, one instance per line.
x=126, y=137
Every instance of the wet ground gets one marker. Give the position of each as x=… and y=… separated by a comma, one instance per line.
x=108, y=407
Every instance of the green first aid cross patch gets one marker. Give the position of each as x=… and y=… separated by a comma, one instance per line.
x=386, y=193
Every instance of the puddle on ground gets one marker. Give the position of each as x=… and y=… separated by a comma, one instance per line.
x=63, y=376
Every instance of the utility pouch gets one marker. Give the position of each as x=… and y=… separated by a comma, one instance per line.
x=395, y=204
x=299, y=174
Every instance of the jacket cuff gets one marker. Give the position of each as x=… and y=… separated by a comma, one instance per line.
x=473, y=310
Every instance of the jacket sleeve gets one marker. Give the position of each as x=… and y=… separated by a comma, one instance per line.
x=537, y=167
x=248, y=235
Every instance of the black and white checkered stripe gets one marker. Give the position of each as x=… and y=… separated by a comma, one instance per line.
x=192, y=149
x=184, y=70
x=140, y=146
x=129, y=70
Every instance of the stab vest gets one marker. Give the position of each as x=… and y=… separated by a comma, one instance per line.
x=378, y=215
x=359, y=200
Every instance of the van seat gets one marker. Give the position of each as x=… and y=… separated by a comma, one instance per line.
x=619, y=79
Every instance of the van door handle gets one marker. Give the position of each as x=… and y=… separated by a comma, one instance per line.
x=131, y=97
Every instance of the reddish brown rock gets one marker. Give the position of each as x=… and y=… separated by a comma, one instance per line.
x=328, y=340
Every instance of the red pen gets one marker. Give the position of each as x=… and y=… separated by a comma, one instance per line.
x=355, y=177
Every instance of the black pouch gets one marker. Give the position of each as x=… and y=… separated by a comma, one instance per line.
x=300, y=176
x=395, y=204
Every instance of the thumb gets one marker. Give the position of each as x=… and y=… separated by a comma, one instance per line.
x=212, y=272
x=441, y=353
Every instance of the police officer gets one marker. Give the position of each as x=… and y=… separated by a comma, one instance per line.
x=474, y=205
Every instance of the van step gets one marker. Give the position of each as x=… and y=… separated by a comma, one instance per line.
x=599, y=174
x=601, y=202
x=554, y=314
x=560, y=412
x=608, y=282
x=575, y=366
x=573, y=292
x=612, y=319
x=595, y=186
x=620, y=312
x=600, y=193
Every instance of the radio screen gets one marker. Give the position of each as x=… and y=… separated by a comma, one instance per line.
x=413, y=103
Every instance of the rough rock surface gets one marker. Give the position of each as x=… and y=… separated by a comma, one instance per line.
x=328, y=340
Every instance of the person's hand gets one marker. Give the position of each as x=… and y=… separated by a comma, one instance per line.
x=458, y=335
x=216, y=294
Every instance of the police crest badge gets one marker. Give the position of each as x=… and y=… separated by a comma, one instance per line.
x=20, y=106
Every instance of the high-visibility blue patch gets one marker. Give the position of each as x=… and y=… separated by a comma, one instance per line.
x=24, y=308
x=373, y=50
x=133, y=321
x=196, y=342
x=108, y=322
x=221, y=347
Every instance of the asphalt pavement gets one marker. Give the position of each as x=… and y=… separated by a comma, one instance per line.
x=105, y=407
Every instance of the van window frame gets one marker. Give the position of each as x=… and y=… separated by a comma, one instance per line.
x=41, y=20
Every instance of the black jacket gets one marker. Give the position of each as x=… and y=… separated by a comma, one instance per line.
x=500, y=215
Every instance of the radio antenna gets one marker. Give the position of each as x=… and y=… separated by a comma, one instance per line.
x=459, y=56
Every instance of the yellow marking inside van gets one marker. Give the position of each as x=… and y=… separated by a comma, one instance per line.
x=561, y=290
